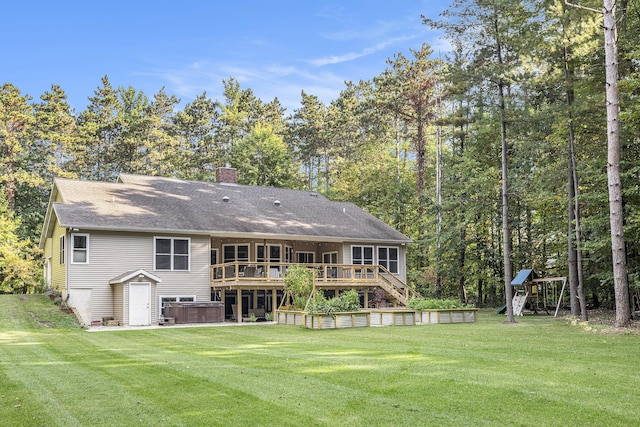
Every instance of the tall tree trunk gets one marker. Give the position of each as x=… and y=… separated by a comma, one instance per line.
x=506, y=234
x=438, y=206
x=575, y=213
x=461, y=261
x=572, y=254
x=420, y=156
x=620, y=280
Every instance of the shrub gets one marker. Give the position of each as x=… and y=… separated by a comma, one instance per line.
x=433, y=304
x=347, y=301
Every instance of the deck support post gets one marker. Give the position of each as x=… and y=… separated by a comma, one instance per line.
x=239, y=305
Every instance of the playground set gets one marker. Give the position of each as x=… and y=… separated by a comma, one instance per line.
x=536, y=294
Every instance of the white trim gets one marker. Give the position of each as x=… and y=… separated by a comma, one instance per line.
x=330, y=253
x=373, y=253
x=313, y=255
x=133, y=274
x=172, y=254
x=397, y=259
x=267, y=252
x=235, y=252
x=148, y=316
x=62, y=249
x=72, y=248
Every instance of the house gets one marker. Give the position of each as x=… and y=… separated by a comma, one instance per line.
x=124, y=249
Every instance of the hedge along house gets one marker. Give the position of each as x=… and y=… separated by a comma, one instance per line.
x=124, y=249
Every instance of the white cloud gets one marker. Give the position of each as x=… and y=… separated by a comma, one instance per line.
x=336, y=59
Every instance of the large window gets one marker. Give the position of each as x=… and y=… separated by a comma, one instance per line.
x=233, y=253
x=79, y=248
x=362, y=255
x=330, y=257
x=305, y=257
x=388, y=258
x=268, y=253
x=171, y=253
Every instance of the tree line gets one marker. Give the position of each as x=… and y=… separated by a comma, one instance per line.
x=492, y=158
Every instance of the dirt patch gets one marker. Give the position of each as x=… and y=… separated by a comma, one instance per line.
x=39, y=322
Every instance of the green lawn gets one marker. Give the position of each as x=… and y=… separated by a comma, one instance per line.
x=539, y=372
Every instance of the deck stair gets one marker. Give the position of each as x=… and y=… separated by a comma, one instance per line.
x=518, y=303
x=397, y=289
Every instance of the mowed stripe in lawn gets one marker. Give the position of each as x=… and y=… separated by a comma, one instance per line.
x=538, y=372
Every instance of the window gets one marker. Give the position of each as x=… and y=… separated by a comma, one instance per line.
x=214, y=256
x=330, y=257
x=362, y=255
x=270, y=254
x=288, y=254
x=61, y=249
x=79, y=248
x=171, y=253
x=166, y=299
x=234, y=253
x=388, y=258
x=305, y=257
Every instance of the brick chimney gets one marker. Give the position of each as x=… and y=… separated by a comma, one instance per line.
x=227, y=175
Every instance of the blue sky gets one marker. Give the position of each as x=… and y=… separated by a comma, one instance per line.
x=277, y=48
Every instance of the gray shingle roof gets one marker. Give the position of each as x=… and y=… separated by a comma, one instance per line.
x=154, y=204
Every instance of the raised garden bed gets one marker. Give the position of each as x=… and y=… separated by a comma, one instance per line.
x=290, y=317
x=448, y=315
x=377, y=317
x=355, y=319
x=392, y=317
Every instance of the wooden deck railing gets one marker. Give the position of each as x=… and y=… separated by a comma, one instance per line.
x=327, y=274
x=270, y=271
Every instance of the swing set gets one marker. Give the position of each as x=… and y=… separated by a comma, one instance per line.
x=536, y=294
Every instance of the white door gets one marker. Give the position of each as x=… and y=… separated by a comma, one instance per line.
x=139, y=304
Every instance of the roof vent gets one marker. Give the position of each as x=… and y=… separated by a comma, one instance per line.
x=225, y=199
x=276, y=202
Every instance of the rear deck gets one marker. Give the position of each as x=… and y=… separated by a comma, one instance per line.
x=261, y=283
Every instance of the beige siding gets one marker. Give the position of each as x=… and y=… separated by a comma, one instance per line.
x=58, y=271
x=112, y=254
x=118, y=302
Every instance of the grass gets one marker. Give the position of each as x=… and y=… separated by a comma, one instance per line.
x=541, y=371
